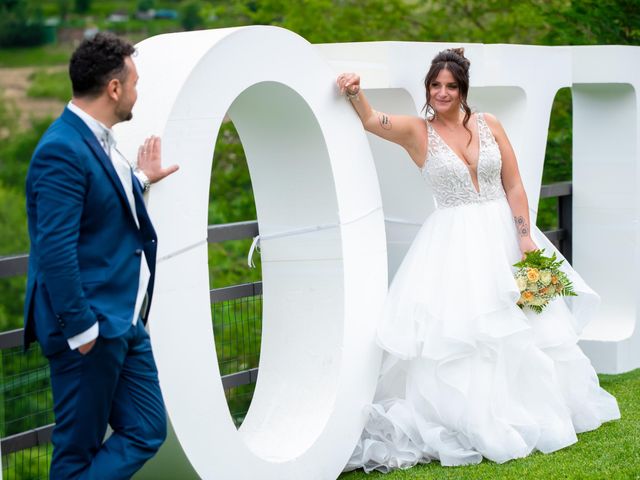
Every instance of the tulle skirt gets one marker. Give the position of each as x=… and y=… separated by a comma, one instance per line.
x=467, y=373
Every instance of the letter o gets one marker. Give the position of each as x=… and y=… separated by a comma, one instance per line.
x=323, y=253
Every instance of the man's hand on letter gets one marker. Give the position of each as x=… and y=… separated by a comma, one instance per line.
x=150, y=160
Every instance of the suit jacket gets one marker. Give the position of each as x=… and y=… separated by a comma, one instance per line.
x=84, y=263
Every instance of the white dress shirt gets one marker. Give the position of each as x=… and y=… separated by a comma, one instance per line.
x=124, y=169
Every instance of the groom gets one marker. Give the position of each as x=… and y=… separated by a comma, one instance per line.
x=91, y=272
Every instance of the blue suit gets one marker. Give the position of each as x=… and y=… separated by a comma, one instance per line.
x=84, y=267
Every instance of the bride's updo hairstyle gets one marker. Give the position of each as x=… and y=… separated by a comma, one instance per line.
x=452, y=59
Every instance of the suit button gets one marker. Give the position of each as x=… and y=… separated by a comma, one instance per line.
x=138, y=251
x=62, y=324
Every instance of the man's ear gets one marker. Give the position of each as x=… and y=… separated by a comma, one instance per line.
x=113, y=89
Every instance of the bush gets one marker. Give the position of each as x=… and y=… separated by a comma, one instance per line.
x=191, y=15
x=146, y=5
x=20, y=33
x=82, y=6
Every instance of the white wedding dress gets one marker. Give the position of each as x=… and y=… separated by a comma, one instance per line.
x=467, y=373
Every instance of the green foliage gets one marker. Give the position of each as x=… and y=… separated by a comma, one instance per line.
x=231, y=195
x=82, y=6
x=338, y=20
x=15, y=154
x=13, y=227
x=47, y=84
x=191, y=15
x=146, y=5
x=537, y=259
x=13, y=239
x=593, y=22
x=559, y=140
x=230, y=200
x=19, y=33
x=13, y=217
x=64, y=9
x=495, y=21
x=547, y=218
x=41, y=56
x=16, y=27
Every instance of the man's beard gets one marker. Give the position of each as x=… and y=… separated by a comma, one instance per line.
x=124, y=115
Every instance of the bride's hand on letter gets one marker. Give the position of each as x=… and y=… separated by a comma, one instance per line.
x=527, y=245
x=349, y=83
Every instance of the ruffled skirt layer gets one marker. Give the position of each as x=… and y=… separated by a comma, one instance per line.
x=468, y=374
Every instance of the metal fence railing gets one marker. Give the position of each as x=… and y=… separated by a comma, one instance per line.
x=26, y=407
x=26, y=417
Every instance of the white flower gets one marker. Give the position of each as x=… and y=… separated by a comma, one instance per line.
x=545, y=277
x=521, y=282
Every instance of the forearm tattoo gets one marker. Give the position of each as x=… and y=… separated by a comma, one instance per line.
x=385, y=121
x=521, y=226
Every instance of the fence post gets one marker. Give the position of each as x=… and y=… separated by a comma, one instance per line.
x=565, y=224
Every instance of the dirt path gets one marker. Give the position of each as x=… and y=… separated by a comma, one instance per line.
x=14, y=83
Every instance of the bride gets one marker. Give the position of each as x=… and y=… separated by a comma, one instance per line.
x=467, y=373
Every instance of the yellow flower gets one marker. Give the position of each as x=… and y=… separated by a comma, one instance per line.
x=545, y=277
x=533, y=274
x=543, y=290
x=527, y=296
x=554, y=279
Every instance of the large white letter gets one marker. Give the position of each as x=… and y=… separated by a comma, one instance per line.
x=606, y=186
x=323, y=253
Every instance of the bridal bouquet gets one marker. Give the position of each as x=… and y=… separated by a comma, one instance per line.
x=540, y=279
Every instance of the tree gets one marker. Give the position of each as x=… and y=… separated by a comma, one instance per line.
x=64, y=7
x=16, y=29
x=338, y=20
x=146, y=5
x=589, y=22
x=191, y=15
x=82, y=6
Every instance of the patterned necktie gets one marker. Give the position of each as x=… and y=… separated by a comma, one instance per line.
x=123, y=169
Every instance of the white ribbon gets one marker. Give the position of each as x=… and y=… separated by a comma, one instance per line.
x=255, y=245
x=402, y=221
x=181, y=251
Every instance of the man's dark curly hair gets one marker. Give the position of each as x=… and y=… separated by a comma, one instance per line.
x=96, y=61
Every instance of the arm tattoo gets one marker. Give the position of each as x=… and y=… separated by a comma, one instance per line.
x=385, y=121
x=521, y=226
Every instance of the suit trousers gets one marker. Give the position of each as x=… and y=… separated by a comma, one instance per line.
x=115, y=383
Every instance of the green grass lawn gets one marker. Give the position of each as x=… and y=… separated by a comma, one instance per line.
x=35, y=56
x=47, y=84
x=612, y=452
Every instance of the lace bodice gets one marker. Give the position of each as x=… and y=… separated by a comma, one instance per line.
x=450, y=177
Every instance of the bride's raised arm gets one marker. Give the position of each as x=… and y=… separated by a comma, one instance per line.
x=405, y=130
